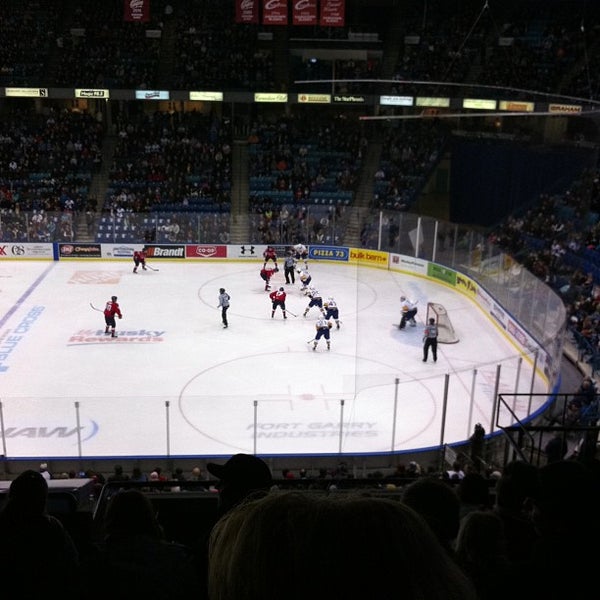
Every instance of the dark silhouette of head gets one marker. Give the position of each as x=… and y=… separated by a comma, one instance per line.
x=130, y=512
x=241, y=476
x=28, y=493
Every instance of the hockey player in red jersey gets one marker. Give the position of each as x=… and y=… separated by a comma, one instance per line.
x=270, y=254
x=111, y=310
x=265, y=275
x=139, y=258
x=278, y=300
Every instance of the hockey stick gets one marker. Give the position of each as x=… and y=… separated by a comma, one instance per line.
x=98, y=309
x=151, y=268
x=287, y=310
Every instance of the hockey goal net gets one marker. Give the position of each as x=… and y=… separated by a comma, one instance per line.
x=446, y=333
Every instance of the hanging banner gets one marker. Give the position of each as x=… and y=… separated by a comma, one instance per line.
x=246, y=11
x=136, y=11
x=304, y=12
x=333, y=13
x=275, y=12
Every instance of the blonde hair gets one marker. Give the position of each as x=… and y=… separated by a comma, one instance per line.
x=293, y=544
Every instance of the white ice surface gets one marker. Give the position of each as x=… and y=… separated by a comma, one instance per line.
x=175, y=382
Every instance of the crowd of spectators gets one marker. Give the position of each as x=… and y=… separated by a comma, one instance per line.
x=483, y=535
x=211, y=52
x=540, y=49
x=47, y=159
x=172, y=164
x=557, y=240
x=410, y=152
x=303, y=173
x=440, y=44
x=95, y=47
x=505, y=45
x=172, y=158
x=197, y=45
x=26, y=32
x=464, y=544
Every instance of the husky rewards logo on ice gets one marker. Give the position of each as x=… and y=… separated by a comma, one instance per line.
x=86, y=337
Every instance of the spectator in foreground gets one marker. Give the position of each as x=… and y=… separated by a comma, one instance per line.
x=241, y=476
x=515, y=490
x=134, y=556
x=33, y=540
x=343, y=544
x=438, y=503
x=481, y=552
x=565, y=515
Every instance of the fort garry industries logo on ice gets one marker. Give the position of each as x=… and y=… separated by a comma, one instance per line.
x=87, y=337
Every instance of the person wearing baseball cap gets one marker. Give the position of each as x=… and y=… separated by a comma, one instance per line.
x=241, y=476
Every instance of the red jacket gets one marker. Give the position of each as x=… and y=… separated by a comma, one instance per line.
x=266, y=274
x=139, y=255
x=278, y=296
x=270, y=253
x=112, y=308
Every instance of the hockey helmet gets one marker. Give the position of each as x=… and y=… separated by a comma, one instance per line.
x=113, y=298
x=402, y=298
x=222, y=291
x=281, y=289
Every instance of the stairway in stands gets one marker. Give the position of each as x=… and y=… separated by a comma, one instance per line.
x=364, y=195
x=98, y=188
x=239, y=227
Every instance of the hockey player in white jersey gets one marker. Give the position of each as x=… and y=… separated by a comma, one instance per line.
x=315, y=300
x=305, y=279
x=301, y=254
x=322, y=326
x=409, y=310
x=331, y=311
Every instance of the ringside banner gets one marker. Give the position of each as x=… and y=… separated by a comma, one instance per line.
x=26, y=250
x=80, y=250
x=205, y=251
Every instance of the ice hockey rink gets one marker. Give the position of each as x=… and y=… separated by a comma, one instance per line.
x=176, y=383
